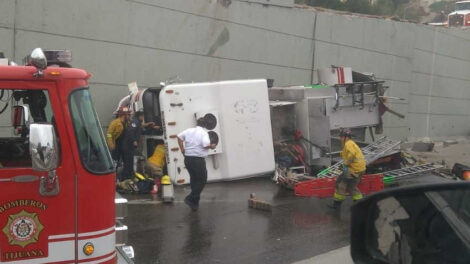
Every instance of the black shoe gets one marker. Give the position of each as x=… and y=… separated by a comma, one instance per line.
x=191, y=205
x=336, y=205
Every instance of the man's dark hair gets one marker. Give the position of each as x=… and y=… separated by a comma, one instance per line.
x=139, y=113
x=201, y=122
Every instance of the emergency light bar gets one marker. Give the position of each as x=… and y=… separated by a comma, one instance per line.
x=58, y=56
x=62, y=58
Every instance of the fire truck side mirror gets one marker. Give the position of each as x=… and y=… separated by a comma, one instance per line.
x=43, y=147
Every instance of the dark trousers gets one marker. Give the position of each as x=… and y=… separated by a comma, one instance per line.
x=116, y=153
x=348, y=183
x=128, y=163
x=196, y=167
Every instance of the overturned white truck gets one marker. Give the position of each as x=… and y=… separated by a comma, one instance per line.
x=238, y=117
x=243, y=121
x=307, y=119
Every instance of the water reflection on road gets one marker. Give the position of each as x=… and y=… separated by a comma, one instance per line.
x=225, y=230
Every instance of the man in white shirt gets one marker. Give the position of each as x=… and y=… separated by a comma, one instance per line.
x=194, y=144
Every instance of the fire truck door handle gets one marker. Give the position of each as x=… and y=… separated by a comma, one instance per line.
x=21, y=179
x=49, y=185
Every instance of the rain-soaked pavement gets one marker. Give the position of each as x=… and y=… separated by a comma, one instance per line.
x=225, y=230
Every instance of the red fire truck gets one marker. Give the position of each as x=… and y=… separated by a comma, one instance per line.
x=57, y=198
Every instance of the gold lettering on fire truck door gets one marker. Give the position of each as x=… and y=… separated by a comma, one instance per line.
x=24, y=254
x=22, y=203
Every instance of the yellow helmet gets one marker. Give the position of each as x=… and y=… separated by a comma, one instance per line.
x=166, y=180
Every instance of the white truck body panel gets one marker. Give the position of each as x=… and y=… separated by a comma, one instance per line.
x=244, y=127
x=335, y=75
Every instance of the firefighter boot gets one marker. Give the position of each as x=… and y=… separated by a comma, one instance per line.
x=336, y=205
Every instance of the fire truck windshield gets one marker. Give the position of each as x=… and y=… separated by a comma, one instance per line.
x=94, y=154
x=462, y=6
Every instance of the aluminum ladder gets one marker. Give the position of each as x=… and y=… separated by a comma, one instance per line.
x=381, y=147
x=392, y=176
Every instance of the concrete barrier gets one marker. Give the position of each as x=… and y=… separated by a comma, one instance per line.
x=149, y=41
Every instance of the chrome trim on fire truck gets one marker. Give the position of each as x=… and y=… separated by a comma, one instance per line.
x=120, y=200
x=124, y=252
x=121, y=233
x=121, y=206
x=125, y=255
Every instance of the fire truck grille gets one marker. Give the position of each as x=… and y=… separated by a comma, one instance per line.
x=456, y=20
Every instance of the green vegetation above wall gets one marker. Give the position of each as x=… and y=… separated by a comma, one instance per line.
x=399, y=8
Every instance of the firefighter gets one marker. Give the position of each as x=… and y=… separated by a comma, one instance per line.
x=354, y=166
x=194, y=144
x=130, y=142
x=115, y=132
x=155, y=163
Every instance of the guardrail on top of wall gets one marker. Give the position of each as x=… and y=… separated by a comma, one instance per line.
x=283, y=3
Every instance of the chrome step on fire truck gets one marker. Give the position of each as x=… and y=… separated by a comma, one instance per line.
x=57, y=199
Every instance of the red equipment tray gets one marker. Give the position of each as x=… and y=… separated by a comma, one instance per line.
x=325, y=187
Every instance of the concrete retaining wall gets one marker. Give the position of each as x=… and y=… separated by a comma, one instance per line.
x=149, y=41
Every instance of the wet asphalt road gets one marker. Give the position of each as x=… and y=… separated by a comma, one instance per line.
x=225, y=230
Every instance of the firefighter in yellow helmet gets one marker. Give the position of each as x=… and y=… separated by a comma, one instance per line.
x=354, y=166
x=115, y=131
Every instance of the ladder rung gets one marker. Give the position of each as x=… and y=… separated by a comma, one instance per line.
x=371, y=153
x=412, y=170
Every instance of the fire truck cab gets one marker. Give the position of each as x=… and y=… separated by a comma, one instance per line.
x=57, y=203
x=461, y=16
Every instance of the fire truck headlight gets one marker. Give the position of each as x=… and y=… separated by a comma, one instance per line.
x=88, y=249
